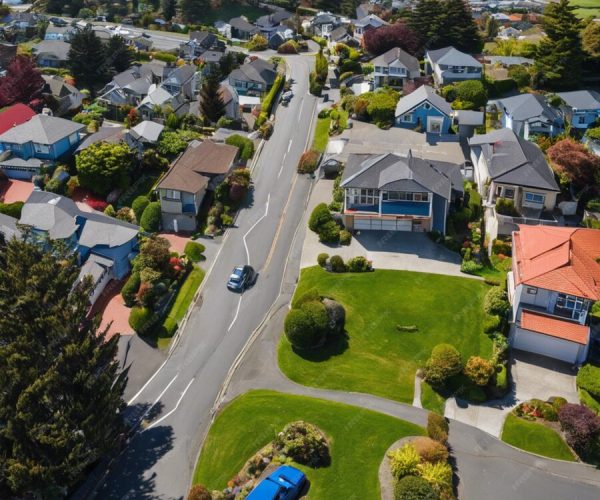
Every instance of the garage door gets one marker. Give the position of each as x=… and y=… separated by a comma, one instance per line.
x=383, y=225
x=545, y=345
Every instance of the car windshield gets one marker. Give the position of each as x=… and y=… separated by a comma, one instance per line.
x=234, y=279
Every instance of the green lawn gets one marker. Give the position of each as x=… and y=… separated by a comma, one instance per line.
x=586, y=8
x=375, y=358
x=180, y=306
x=321, y=137
x=431, y=400
x=229, y=9
x=496, y=270
x=358, y=439
x=536, y=438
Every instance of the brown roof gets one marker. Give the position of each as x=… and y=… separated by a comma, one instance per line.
x=555, y=327
x=191, y=172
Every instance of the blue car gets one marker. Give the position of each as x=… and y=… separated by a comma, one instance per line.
x=286, y=483
x=241, y=278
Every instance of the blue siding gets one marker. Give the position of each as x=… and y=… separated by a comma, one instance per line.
x=589, y=117
x=364, y=208
x=119, y=255
x=405, y=208
x=439, y=213
x=420, y=115
x=57, y=150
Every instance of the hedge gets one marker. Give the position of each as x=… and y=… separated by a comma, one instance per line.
x=414, y=488
x=308, y=162
x=268, y=100
x=306, y=328
x=12, y=209
x=139, y=205
x=194, y=251
x=588, y=379
x=496, y=301
x=245, y=146
x=141, y=319
x=151, y=217
x=130, y=288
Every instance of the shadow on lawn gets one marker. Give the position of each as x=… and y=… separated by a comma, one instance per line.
x=334, y=346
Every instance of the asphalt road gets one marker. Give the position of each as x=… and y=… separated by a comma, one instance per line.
x=158, y=463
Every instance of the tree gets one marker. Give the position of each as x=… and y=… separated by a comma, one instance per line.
x=22, y=83
x=414, y=488
x=491, y=28
x=590, y=39
x=55, y=6
x=150, y=220
x=445, y=361
x=426, y=22
x=307, y=326
x=479, y=370
x=87, y=60
x=560, y=54
x=575, y=163
x=103, y=167
x=119, y=55
x=169, y=8
x=458, y=27
x=581, y=426
x=193, y=10
x=470, y=94
x=61, y=394
x=381, y=40
x=212, y=105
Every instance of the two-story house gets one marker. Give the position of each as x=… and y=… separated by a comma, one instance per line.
x=393, y=68
x=198, y=43
x=582, y=107
x=530, y=114
x=389, y=192
x=369, y=22
x=516, y=183
x=67, y=97
x=181, y=80
x=132, y=85
x=51, y=53
x=324, y=23
x=242, y=29
x=449, y=65
x=42, y=139
x=424, y=109
x=253, y=78
x=201, y=167
x=554, y=282
x=269, y=23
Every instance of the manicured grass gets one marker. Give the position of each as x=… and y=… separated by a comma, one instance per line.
x=229, y=9
x=431, y=400
x=536, y=438
x=375, y=357
x=180, y=306
x=497, y=270
x=358, y=441
x=586, y=8
x=321, y=137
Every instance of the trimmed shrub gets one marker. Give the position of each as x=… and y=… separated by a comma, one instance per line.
x=414, y=488
x=308, y=162
x=503, y=247
x=245, y=146
x=345, y=237
x=581, y=426
x=557, y=402
x=445, y=361
x=588, y=379
x=141, y=319
x=329, y=232
x=404, y=461
x=491, y=324
x=438, y=475
x=199, y=492
x=304, y=443
x=312, y=294
x=319, y=216
x=337, y=264
x=289, y=47
x=194, y=251
x=470, y=267
x=307, y=327
x=130, y=289
x=336, y=314
x=479, y=370
x=358, y=264
x=151, y=217
x=437, y=427
x=496, y=302
x=322, y=259
x=430, y=450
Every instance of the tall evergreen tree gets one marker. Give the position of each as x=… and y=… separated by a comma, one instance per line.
x=55, y=6
x=426, y=21
x=87, y=60
x=119, y=55
x=458, y=27
x=61, y=393
x=169, y=8
x=560, y=54
x=212, y=106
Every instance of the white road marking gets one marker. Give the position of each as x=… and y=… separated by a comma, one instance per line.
x=289, y=146
x=174, y=409
x=253, y=226
x=148, y=382
x=282, y=163
x=300, y=113
x=159, y=397
x=236, y=314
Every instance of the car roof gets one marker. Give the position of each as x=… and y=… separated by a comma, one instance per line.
x=288, y=474
x=266, y=490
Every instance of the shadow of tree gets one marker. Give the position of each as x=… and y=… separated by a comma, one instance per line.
x=334, y=346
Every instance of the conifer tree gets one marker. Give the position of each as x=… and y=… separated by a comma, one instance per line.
x=87, y=60
x=212, y=106
x=119, y=56
x=458, y=27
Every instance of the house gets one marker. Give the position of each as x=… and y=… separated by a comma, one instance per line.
x=132, y=85
x=181, y=80
x=242, y=29
x=269, y=23
x=41, y=139
x=341, y=35
x=201, y=167
x=145, y=134
x=424, y=109
x=530, y=114
x=513, y=170
x=554, y=282
x=15, y=115
x=467, y=121
x=110, y=134
x=67, y=97
x=253, y=78
x=199, y=42
x=449, y=65
x=223, y=28
x=394, y=193
x=324, y=23
x=141, y=42
x=394, y=67
x=159, y=97
x=105, y=246
x=64, y=33
x=508, y=32
x=369, y=22
x=51, y=53
x=582, y=107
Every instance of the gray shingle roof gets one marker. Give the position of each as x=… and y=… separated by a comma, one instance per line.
x=241, y=24
x=42, y=129
x=95, y=267
x=422, y=94
x=525, y=107
x=371, y=20
x=57, y=48
x=581, y=99
x=258, y=70
x=147, y=130
x=409, y=61
x=8, y=227
x=104, y=134
x=514, y=160
x=452, y=57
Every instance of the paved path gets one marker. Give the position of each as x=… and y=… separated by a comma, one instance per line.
x=417, y=397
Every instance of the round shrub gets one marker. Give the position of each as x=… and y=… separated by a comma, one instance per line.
x=557, y=402
x=304, y=443
x=430, y=450
x=345, y=237
x=414, y=488
x=141, y=319
x=337, y=264
x=437, y=427
x=470, y=267
x=336, y=314
x=139, y=205
x=496, y=302
x=588, y=378
x=445, y=361
x=130, y=289
x=581, y=426
x=329, y=232
x=319, y=216
x=151, y=217
x=306, y=328
x=308, y=162
x=358, y=265
x=491, y=324
x=311, y=295
x=479, y=370
x=199, y=492
x=194, y=251
x=404, y=461
x=322, y=259
x=438, y=475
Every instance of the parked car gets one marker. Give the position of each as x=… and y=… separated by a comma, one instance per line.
x=286, y=483
x=242, y=277
x=287, y=96
x=58, y=22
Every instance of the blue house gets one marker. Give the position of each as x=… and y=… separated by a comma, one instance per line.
x=530, y=114
x=394, y=193
x=43, y=139
x=425, y=110
x=582, y=107
x=105, y=246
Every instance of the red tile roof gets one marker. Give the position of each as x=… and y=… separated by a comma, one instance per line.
x=558, y=258
x=554, y=327
x=15, y=115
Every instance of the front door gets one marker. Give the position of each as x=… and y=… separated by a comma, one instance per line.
x=434, y=124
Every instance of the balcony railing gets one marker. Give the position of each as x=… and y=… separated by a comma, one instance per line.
x=578, y=317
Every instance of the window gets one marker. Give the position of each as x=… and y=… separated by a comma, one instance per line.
x=74, y=138
x=427, y=105
x=41, y=148
x=509, y=193
x=173, y=194
x=581, y=120
x=569, y=305
x=535, y=198
x=531, y=291
x=405, y=196
x=408, y=118
x=368, y=197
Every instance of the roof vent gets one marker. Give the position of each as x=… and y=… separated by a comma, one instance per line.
x=54, y=201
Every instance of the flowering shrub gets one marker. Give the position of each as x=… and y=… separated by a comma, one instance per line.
x=581, y=426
